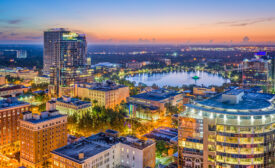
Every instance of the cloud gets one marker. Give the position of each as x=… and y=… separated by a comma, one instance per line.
x=141, y=40
x=15, y=21
x=12, y=21
x=13, y=34
x=246, y=22
x=33, y=37
x=246, y=39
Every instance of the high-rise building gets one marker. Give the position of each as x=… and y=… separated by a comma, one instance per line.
x=40, y=134
x=51, y=36
x=106, y=150
x=10, y=112
x=257, y=72
x=68, y=62
x=233, y=129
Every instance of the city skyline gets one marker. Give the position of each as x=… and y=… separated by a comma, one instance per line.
x=141, y=22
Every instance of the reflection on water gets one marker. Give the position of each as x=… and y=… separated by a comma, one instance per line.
x=178, y=78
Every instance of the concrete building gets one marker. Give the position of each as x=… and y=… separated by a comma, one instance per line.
x=70, y=106
x=152, y=105
x=12, y=90
x=232, y=129
x=257, y=72
x=134, y=65
x=21, y=73
x=106, y=150
x=107, y=94
x=42, y=80
x=40, y=134
x=10, y=112
x=201, y=91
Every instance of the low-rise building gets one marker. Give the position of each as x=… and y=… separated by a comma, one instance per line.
x=10, y=112
x=20, y=73
x=40, y=134
x=106, y=150
x=12, y=90
x=201, y=91
x=70, y=106
x=42, y=80
x=134, y=65
x=152, y=105
x=108, y=94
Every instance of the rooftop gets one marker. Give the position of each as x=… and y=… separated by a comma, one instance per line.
x=157, y=95
x=107, y=86
x=47, y=118
x=72, y=101
x=93, y=145
x=10, y=103
x=251, y=104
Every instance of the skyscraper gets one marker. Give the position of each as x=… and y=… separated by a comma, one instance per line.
x=50, y=37
x=67, y=51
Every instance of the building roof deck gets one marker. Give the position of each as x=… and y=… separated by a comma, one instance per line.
x=156, y=95
x=73, y=101
x=94, y=145
x=251, y=104
x=36, y=121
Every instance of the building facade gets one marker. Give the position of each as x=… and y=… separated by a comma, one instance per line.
x=106, y=150
x=257, y=72
x=71, y=106
x=51, y=36
x=40, y=134
x=106, y=94
x=233, y=129
x=10, y=112
x=12, y=90
x=152, y=105
x=70, y=67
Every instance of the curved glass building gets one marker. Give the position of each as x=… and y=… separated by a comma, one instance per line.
x=235, y=129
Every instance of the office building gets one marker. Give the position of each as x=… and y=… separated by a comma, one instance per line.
x=51, y=36
x=70, y=106
x=257, y=72
x=152, y=105
x=108, y=94
x=40, y=134
x=69, y=64
x=10, y=112
x=106, y=150
x=232, y=129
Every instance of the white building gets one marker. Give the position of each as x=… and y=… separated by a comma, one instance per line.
x=106, y=150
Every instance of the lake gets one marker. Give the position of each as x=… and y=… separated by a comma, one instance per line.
x=178, y=78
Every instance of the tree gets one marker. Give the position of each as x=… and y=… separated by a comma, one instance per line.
x=161, y=147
